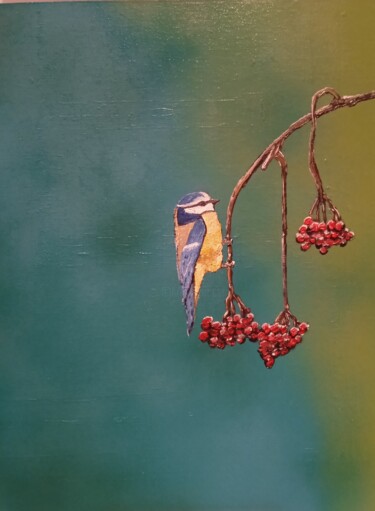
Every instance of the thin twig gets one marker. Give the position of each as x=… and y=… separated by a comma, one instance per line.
x=280, y=158
x=312, y=163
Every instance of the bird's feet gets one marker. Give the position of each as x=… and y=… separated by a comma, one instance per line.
x=228, y=265
x=227, y=241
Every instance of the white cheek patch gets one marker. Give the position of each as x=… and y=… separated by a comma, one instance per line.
x=203, y=196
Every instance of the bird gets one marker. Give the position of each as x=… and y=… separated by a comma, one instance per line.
x=199, y=245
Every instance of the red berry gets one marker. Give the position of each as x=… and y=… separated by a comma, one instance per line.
x=303, y=228
x=204, y=336
x=292, y=344
x=275, y=328
x=323, y=250
x=294, y=331
x=269, y=362
x=216, y=325
x=266, y=327
x=331, y=224
x=339, y=225
x=308, y=220
x=322, y=226
x=300, y=238
x=305, y=247
x=207, y=319
x=314, y=227
x=236, y=318
x=303, y=327
x=248, y=331
x=206, y=323
x=241, y=339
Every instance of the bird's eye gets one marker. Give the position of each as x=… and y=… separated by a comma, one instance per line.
x=202, y=203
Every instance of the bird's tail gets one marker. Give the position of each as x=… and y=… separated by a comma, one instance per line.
x=189, y=303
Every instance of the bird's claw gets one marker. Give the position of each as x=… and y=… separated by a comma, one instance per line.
x=227, y=241
x=228, y=265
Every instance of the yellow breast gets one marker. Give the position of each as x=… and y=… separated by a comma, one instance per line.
x=211, y=254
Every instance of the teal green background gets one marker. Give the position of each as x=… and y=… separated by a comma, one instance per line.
x=109, y=113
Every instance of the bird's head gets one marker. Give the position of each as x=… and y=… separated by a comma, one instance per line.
x=193, y=205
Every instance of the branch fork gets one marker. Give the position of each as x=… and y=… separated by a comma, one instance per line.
x=319, y=208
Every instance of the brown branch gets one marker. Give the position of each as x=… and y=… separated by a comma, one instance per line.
x=269, y=153
x=280, y=158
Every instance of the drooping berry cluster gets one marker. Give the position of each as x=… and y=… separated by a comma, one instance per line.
x=278, y=339
x=323, y=235
x=275, y=340
x=230, y=331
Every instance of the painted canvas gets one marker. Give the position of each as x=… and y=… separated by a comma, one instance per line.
x=110, y=114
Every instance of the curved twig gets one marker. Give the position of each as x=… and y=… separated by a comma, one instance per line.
x=269, y=153
x=312, y=163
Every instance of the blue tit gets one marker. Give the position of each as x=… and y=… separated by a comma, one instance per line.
x=199, y=246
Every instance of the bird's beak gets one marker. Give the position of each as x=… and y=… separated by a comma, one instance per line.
x=215, y=201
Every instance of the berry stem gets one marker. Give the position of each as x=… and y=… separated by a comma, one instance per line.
x=312, y=163
x=263, y=160
x=280, y=158
x=230, y=308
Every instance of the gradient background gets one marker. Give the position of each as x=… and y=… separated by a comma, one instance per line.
x=109, y=113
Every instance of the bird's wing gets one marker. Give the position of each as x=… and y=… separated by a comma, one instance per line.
x=189, y=256
x=181, y=236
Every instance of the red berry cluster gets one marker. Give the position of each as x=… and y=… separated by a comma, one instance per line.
x=275, y=339
x=278, y=339
x=323, y=235
x=230, y=331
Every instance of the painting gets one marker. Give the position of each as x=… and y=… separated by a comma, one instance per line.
x=113, y=114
